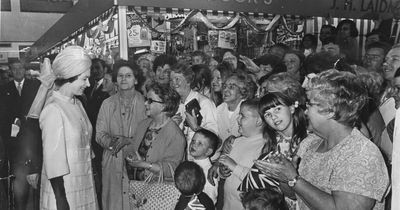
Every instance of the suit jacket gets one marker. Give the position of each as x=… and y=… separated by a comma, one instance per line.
x=94, y=99
x=385, y=27
x=20, y=150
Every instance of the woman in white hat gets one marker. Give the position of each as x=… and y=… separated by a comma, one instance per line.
x=67, y=178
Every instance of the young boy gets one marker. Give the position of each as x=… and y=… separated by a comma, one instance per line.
x=245, y=149
x=203, y=146
x=264, y=199
x=190, y=180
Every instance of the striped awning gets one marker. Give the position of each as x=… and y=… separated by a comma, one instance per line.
x=158, y=10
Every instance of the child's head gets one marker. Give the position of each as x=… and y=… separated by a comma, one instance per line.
x=283, y=115
x=264, y=199
x=204, y=144
x=249, y=120
x=189, y=178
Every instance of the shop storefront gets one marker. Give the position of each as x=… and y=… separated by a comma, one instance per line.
x=112, y=29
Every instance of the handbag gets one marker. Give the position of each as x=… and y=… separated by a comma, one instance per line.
x=148, y=195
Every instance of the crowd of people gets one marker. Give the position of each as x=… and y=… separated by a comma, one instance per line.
x=308, y=128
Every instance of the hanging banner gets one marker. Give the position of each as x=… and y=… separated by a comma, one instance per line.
x=138, y=36
x=158, y=46
x=227, y=39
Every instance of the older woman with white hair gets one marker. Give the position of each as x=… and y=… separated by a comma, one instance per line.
x=339, y=167
x=67, y=178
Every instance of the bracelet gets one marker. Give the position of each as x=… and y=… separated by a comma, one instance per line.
x=150, y=166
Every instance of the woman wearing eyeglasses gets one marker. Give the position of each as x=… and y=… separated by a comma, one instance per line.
x=118, y=119
x=339, y=167
x=159, y=142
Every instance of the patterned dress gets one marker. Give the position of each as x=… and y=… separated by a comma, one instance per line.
x=355, y=165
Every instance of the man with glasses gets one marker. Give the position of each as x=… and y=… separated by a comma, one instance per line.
x=375, y=56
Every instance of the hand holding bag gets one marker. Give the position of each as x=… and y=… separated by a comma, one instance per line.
x=148, y=195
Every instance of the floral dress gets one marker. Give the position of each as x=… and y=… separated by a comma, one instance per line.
x=255, y=179
x=147, y=141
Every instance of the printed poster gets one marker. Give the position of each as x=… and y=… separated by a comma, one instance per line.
x=158, y=46
x=227, y=39
x=138, y=36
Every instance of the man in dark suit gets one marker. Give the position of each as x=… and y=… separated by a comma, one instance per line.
x=22, y=152
x=391, y=27
x=95, y=97
x=4, y=182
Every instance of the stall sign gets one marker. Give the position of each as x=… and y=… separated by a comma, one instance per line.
x=138, y=36
x=227, y=39
x=158, y=46
x=362, y=9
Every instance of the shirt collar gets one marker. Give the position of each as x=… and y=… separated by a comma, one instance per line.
x=99, y=82
x=22, y=83
x=191, y=96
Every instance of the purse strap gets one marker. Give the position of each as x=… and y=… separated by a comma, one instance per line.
x=161, y=174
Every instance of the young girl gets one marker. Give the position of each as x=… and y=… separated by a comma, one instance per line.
x=286, y=126
x=286, y=123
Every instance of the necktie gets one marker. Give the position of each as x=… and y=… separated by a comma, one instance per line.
x=95, y=86
x=394, y=31
x=19, y=88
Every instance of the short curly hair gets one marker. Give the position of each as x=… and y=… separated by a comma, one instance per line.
x=168, y=95
x=268, y=198
x=286, y=84
x=339, y=92
x=189, y=178
x=186, y=70
x=246, y=85
x=137, y=72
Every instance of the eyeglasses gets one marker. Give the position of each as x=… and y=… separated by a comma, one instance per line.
x=373, y=57
x=150, y=101
x=229, y=86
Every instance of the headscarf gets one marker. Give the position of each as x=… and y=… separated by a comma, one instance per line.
x=72, y=61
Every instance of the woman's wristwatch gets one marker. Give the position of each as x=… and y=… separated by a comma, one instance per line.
x=150, y=166
x=292, y=182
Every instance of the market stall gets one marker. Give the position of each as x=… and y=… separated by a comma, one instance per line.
x=113, y=29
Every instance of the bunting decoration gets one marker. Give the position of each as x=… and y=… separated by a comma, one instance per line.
x=176, y=29
x=238, y=17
